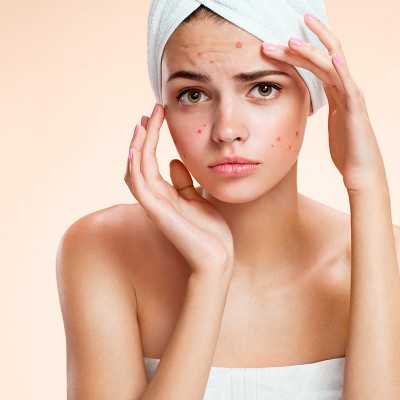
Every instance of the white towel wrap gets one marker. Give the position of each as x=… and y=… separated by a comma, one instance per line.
x=269, y=20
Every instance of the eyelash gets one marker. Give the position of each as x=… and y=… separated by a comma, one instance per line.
x=183, y=92
x=269, y=84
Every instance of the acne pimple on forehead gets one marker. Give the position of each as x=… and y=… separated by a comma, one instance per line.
x=238, y=45
x=199, y=131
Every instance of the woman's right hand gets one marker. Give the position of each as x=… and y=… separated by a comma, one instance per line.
x=188, y=220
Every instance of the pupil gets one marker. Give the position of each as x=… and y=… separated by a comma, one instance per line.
x=264, y=90
x=194, y=97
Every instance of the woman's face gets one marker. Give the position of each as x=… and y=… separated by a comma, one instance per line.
x=222, y=100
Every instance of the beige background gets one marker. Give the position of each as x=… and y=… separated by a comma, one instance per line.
x=73, y=84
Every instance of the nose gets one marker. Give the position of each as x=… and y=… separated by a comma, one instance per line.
x=229, y=124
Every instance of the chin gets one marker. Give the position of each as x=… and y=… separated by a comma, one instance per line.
x=235, y=193
x=249, y=188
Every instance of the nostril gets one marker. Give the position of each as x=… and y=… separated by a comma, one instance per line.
x=229, y=139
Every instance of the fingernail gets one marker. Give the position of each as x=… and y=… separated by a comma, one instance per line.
x=311, y=17
x=269, y=46
x=296, y=41
x=155, y=109
x=337, y=58
x=130, y=154
x=135, y=131
x=142, y=120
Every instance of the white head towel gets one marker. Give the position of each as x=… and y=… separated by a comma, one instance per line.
x=269, y=20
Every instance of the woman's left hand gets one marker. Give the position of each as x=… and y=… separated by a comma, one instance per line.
x=352, y=141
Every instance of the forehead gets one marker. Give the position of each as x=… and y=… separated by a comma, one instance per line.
x=214, y=45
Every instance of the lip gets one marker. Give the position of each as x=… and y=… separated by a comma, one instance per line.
x=233, y=160
x=234, y=166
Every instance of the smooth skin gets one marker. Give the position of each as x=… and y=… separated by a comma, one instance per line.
x=239, y=272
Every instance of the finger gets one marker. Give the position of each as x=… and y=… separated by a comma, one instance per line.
x=354, y=97
x=306, y=56
x=149, y=164
x=138, y=183
x=182, y=181
x=320, y=62
x=127, y=177
x=324, y=34
x=333, y=44
x=144, y=121
x=330, y=96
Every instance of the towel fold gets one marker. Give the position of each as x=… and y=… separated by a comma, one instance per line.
x=269, y=20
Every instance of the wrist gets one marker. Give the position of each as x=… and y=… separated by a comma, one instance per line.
x=370, y=181
x=370, y=192
x=219, y=275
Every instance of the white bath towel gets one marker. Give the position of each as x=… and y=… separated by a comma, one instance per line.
x=269, y=20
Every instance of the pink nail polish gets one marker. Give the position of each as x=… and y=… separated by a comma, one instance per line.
x=142, y=121
x=311, y=17
x=135, y=131
x=269, y=46
x=296, y=41
x=154, y=109
x=337, y=59
x=130, y=154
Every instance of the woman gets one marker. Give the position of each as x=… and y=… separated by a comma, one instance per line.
x=217, y=286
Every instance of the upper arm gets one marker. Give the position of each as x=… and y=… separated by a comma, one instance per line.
x=104, y=354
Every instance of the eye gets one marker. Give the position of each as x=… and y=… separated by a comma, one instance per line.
x=192, y=96
x=263, y=91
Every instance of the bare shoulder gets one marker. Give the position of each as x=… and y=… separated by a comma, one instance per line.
x=335, y=226
x=121, y=241
x=329, y=226
x=102, y=262
x=121, y=234
x=324, y=210
x=109, y=226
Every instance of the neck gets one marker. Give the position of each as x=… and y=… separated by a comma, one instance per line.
x=266, y=231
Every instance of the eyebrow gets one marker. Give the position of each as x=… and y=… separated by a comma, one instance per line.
x=189, y=75
x=242, y=77
x=252, y=76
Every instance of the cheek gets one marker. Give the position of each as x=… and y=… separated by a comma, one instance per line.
x=280, y=134
x=189, y=133
x=285, y=139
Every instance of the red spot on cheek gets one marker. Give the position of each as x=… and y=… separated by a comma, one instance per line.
x=278, y=139
x=297, y=133
x=200, y=131
x=238, y=45
x=290, y=147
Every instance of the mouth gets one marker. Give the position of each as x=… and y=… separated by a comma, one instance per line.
x=233, y=160
x=233, y=166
